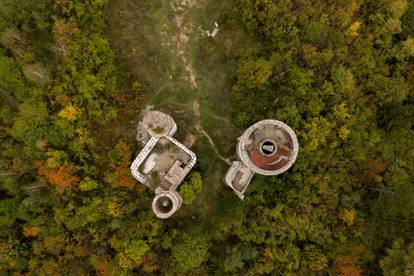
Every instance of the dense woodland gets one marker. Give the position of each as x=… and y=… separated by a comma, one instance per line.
x=339, y=72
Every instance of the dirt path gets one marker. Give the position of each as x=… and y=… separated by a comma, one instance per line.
x=179, y=48
x=199, y=127
x=181, y=71
x=181, y=38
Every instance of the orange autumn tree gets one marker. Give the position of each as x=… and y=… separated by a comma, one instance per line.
x=120, y=177
x=30, y=231
x=121, y=174
x=346, y=266
x=351, y=261
x=62, y=178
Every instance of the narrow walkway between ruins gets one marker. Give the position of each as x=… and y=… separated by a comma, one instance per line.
x=199, y=127
x=180, y=49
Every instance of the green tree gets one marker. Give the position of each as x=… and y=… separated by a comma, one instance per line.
x=136, y=249
x=190, y=250
x=191, y=187
x=237, y=256
x=399, y=260
x=8, y=212
x=11, y=79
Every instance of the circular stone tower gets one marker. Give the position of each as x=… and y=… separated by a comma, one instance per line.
x=166, y=203
x=159, y=124
x=268, y=147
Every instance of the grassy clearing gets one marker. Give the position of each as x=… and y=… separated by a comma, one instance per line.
x=211, y=61
x=144, y=34
x=136, y=36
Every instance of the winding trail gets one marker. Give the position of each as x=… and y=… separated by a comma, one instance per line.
x=182, y=72
x=181, y=38
x=179, y=48
x=199, y=127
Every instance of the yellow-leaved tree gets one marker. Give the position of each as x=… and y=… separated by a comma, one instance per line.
x=69, y=112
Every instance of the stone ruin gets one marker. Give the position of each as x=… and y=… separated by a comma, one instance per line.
x=163, y=162
x=269, y=147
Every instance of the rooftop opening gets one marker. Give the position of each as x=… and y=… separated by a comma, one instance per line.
x=164, y=204
x=268, y=147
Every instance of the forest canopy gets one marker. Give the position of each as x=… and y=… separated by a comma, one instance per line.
x=340, y=73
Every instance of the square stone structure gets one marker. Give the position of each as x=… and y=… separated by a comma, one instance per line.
x=163, y=163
